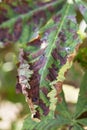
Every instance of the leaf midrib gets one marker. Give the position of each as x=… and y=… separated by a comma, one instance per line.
x=54, y=40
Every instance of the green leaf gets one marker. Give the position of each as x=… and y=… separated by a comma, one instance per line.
x=63, y=109
x=10, y=12
x=82, y=121
x=52, y=39
x=51, y=45
x=59, y=121
x=81, y=105
x=26, y=32
x=50, y=52
x=29, y=124
x=46, y=123
x=77, y=127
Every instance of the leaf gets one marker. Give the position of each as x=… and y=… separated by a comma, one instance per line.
x=29, y=124
x=82, y=56
x=51, y=46
x=10, y=22
x=82, y=5
x=62, y=108
x=46, y=123
x=77, y=127
x=25, y=34
x=82, y=121
x=60, y=57
x=58, y=104
x=52, y=43
x=6, y=8
x=15, y=16
x=51, y=63
x=81, y=105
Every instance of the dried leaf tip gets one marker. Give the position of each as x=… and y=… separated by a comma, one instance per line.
x=24, y=72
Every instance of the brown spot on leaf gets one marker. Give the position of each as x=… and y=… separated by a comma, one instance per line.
x=44, y=107
x=62, y=36
x=18, y=88
x=60, y=99
x=22, y=8
x=58, y=87
x=71, y=56
x=53, y=73
x=57, y=18
x=37, y=54
x=37, y=115
x=17, y=30
x=3, y=18
x=36, y=41
x=44, y=90
x=55, y=54
x=3, y=34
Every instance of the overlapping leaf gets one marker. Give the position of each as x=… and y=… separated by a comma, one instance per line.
x=46, y=123
x=14, y=17
x=81, y=106
x=82, y=5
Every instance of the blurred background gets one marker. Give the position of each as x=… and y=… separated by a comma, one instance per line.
x=13, y=108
